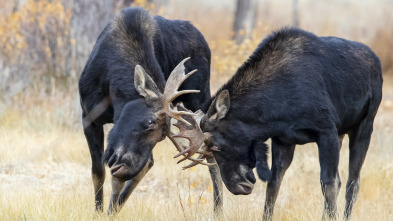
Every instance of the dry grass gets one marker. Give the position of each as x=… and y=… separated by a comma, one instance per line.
x=45, y=163
x=45, y=175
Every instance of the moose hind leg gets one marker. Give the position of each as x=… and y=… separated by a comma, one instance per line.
x=118, y=200
x=94, y=134
x=359, y=141
x=282, y=155
x=329, y=151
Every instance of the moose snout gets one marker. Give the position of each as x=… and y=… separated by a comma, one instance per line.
x=111, y=156
x=239, y=180
x=124, y=164
x=121, y=172
x=122, y=169
x=116, y=168
x=250, y=176
x=246, y=185
x=113, y=159
x=244, y=188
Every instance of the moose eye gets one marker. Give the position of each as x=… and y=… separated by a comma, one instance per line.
x=151, y=124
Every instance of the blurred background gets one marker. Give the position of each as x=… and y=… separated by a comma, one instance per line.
x=45, y=43
x=44, y=47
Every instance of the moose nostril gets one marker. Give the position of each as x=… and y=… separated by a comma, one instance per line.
x=108, y=153
x=112, y=160
x=250, y=176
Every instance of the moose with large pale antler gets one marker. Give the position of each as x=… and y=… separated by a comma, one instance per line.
x=295, y=88
x=128, y=81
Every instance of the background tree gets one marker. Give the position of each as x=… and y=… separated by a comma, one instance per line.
x=245, y=19
x=295, y=13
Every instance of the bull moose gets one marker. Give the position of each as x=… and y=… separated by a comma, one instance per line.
x=127, y=81
x=295, y=88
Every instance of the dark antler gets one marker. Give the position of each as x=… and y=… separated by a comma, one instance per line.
x=193, y=133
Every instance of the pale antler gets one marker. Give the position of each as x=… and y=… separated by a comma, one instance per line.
x=176, y=78
x=188, y=126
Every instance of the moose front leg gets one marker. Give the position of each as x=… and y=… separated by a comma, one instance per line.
x=121, y=191
x=117, y=186
x=329, y=150
x=217, y=187
x=282, y=155
x=94, y=134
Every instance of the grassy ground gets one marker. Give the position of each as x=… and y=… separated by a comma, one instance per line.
x=45, y=175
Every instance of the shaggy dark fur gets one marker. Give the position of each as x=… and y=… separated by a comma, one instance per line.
x=108, y=94
x=296, y=88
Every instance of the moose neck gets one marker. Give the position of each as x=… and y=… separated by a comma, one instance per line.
x=252, y=97
x=252, y=113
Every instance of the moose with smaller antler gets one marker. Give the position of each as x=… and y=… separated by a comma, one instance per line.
x=132, y=78
x=295, y=88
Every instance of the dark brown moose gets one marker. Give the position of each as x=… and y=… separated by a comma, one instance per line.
x=127, y=81
x=295, y=88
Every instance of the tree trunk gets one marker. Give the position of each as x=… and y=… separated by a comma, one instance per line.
x=295, y=13
x=245, y=19
x=127, y=3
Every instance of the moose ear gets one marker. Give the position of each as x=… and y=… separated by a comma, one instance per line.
x=220, y=106
x=144, y=84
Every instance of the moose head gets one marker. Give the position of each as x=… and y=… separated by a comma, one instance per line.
x=235, y=157
x=146, y=121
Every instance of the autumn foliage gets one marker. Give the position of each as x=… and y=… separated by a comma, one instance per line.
x=45, y=43
x=36, y=43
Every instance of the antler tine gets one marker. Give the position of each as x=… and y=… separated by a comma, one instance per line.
x=177, y=94
x=189, y=151
x=176, y=78
x=198, y=161
x=206, y=153
x=177, y=145
x=196, y=138
x=186, y=122
x=178, y=116
x=180, y=149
